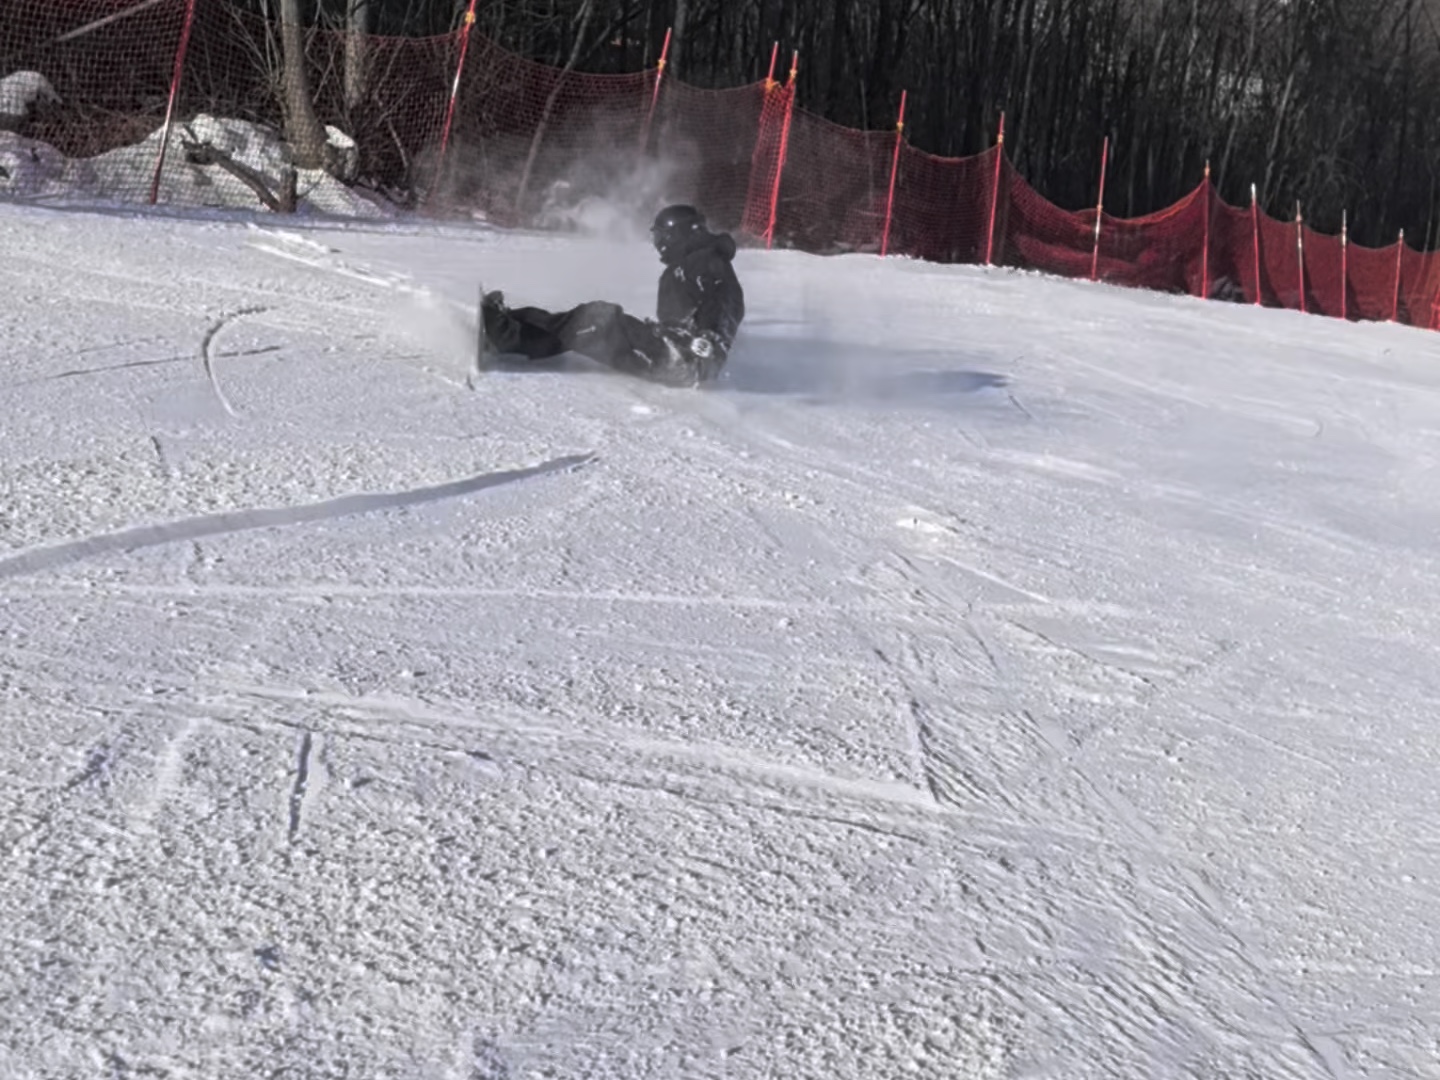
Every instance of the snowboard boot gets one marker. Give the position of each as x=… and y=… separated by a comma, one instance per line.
x=499, y=332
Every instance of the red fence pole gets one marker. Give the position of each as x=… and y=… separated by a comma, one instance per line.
x=774, y=55
x=1344, y=264
x=995, y=192
x=170, y=104
x=784, y=148
x=1255, y=222
x=455, y=88
x=1399, y=255
x=894, y=172
x=1300, y=251
x=1100, y=209
x=1205, y=244
x=655, y=95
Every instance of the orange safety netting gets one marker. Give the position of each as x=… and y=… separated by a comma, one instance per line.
x=455, y=124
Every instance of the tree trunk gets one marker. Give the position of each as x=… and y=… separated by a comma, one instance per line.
x=357, y=41
x=303, y=130
x=1238, y=96
x=1275, y=134
x=677, y=40
x=586, y=10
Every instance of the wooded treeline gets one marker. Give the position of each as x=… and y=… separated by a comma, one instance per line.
x=1328, y=102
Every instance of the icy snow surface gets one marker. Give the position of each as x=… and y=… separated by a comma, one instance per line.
x=995, y=677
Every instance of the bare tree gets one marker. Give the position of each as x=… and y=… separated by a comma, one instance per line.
x=1333, y=102
x=303, y=130
x=358, y=24
x=587, y=8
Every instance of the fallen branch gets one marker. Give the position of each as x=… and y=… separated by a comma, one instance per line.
x=283, y=202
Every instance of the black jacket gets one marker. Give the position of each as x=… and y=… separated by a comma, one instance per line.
x=699, y=290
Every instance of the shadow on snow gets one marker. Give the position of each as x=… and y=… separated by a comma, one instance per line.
x=820, y=372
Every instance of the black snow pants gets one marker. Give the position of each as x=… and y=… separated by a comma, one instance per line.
x=531, y=339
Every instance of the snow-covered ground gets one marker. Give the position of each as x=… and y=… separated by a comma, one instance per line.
x=996, y=677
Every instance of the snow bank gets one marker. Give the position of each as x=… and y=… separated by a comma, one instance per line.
x=31, y=169
x=261, y=148
x=21, y=91
x=37, y=170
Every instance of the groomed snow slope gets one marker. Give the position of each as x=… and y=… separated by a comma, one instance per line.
x=996, y=677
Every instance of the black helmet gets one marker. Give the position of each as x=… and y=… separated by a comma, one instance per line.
x=672, y=227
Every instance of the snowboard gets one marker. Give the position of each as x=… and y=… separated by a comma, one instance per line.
x=481, y=361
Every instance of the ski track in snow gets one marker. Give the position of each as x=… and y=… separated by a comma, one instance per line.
x=846, y=723
x=209, y=361
x=48, y=558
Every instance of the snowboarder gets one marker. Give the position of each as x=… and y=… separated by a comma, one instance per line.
x=699, y=308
